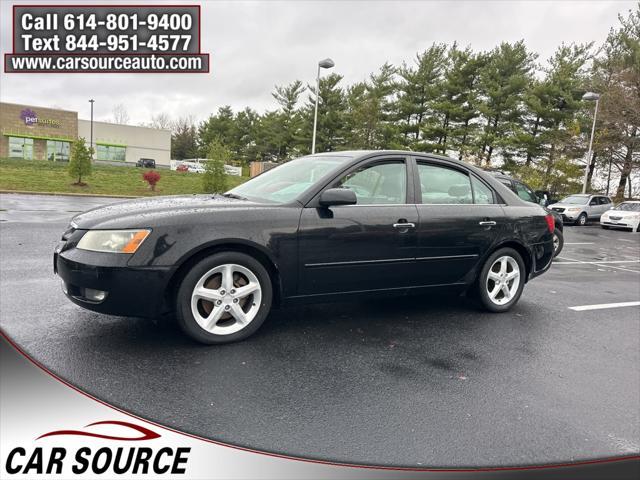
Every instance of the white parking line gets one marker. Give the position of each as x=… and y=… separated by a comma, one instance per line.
x=579, y=243
x=599, y=264
x=602, y=306
x=594, y=263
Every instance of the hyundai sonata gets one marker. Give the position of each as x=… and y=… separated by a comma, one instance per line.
x=321, y=227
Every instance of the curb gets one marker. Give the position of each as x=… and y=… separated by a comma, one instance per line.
x=67, y=194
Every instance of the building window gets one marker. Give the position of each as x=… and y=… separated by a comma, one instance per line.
x=21, y=148
x=57, y=151
x=110, y=153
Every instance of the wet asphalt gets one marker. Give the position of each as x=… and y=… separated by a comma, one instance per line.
x=414, y=381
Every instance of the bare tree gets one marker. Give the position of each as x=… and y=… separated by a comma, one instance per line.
x=161, y=121
x=120, y=114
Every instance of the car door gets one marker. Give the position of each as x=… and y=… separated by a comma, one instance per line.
x=593, y=208
x=605, y=204
x=361, y=247
x=459, y=220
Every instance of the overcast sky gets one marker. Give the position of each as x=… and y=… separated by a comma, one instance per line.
x=256, y=45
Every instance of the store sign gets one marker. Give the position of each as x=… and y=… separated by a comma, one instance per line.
x=31, y=118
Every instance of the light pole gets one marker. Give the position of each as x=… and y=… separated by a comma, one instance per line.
x=326, y=63
x=591, y=96
x=91, y=100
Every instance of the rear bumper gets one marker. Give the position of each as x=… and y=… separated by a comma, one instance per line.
x=541, y=258
x=135, y=292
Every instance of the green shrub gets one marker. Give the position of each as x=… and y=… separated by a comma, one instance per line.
x=214, y=178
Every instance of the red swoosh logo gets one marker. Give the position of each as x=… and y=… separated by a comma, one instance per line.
x=146, y=433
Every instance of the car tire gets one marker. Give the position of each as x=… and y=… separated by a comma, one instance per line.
x=210, y=307
x=558, y=242
x=492, y=273
x=581, y=220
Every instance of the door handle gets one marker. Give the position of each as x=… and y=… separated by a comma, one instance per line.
x=487, y=223
x=404, y=225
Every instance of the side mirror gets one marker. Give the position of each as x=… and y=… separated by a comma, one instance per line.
x=338, y=196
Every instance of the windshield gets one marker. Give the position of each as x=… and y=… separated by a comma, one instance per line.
x=288, y=181
x=628, y=207
x=575, y=200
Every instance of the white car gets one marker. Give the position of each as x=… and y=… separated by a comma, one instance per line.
x=624, y=215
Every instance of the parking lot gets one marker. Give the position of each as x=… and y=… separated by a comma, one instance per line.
x=413, y=381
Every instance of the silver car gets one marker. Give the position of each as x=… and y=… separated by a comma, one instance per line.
x=580, y=208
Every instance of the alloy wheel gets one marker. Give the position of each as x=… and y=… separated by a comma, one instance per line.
x=226, y=299
x=556, y=242
x=503, y=280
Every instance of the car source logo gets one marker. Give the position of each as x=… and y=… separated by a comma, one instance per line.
x=118, y=458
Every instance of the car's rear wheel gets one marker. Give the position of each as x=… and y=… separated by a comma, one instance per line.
x=582, y=220
x=224, y=298
x=558, y=242
x=501, y=280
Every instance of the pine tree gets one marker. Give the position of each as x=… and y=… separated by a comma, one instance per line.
x=503, y=81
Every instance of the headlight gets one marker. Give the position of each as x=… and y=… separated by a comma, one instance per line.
x=113, y=241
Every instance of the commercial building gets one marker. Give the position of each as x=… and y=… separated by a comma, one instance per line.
x=38, y=133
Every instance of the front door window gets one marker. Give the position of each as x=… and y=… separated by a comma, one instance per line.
x=378, y=184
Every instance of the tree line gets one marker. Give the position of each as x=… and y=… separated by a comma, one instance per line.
x=501, y=108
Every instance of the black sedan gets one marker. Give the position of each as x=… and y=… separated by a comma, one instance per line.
x=321, y=227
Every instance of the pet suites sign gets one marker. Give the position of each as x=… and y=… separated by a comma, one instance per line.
x=30, y=118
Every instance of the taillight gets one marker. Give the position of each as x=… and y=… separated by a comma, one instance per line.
x=551, y=223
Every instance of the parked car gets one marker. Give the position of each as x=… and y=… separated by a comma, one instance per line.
x=527, y=194
x=623, y=215
x=580, y=208
x=322, y=227
x=146, y=163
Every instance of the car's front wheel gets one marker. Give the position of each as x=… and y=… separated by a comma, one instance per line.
x=501, y=280
x=582, y=220
x=224, y=298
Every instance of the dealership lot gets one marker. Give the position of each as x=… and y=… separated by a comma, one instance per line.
x=420, y=381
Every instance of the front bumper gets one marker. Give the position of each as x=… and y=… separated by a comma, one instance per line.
x=129, y=291
x=570, y=216
x=622, y=223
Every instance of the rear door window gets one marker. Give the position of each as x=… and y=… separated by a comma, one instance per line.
x=444, y=186
x=481, y=193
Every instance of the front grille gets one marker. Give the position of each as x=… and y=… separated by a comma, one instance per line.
x=615, y=218
x=559, y=210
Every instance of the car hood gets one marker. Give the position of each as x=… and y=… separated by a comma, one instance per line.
x=142, y=212
x=621, y=213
